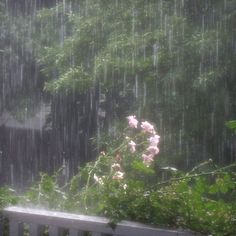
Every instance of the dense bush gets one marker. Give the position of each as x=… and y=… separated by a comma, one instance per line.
x=128, y=182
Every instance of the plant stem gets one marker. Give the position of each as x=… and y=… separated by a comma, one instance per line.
x=218, y=171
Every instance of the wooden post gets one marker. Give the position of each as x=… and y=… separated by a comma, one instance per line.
x=76, y=232
x=36, y=230
x=15, y=228
x=55, y=230
x=80, y=233
x=96, y=234
x=1, y=225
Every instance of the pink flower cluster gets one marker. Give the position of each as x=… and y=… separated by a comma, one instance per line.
x=98, y=180
x=147, y=127
x=152, y=150
x=118, y=174
x=133, y=123
x=147, y=157
x=132, y=146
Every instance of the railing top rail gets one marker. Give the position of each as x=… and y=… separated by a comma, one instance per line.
x=86, y=223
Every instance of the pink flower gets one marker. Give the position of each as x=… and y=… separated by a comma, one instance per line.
x=118, y=157
x=118, y=175
x=116, y=167
x=98, y=179
x=132, y=146
x=153, y=150
x=147, y=127
x=133, y=123
x=154, y=140
x=147, y=159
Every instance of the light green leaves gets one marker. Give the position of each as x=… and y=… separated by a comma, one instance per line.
x=231, y=124
x=139, y=166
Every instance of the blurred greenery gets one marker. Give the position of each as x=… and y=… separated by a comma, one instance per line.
x=231, y=124
x=7, y=197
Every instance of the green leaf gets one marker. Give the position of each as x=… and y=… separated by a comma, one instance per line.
x=141, y=167
x=231, y=124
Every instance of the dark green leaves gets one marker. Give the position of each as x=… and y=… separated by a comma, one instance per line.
x=75, y=79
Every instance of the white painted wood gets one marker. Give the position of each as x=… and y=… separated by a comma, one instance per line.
x=57, y=220
x=33, y=229
x=1, y=225
x=20, y=229
x=73, y=232
x=96, y=234
x=53, y=230
x=36, y=230
x=15, y=228
x=76, y=232
x=80, y=233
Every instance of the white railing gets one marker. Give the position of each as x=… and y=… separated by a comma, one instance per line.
x=36, y=222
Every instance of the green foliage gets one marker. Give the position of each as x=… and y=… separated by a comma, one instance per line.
x=202, y=201
x=206, y=212
x=73, y=80
x=7, y=197
x=231, y=124
x=120, y=185
x=46, y=193
x=198, y=200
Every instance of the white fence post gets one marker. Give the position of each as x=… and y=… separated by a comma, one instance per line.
x=54, y=230
x=96, y=234
x=36, y=230
x=15, y=228
x=1, y=225
x=75, y=232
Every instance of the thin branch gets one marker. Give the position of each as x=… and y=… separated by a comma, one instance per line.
x=218, y=171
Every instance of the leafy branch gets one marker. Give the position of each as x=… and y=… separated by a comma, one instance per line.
x=187, y=176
